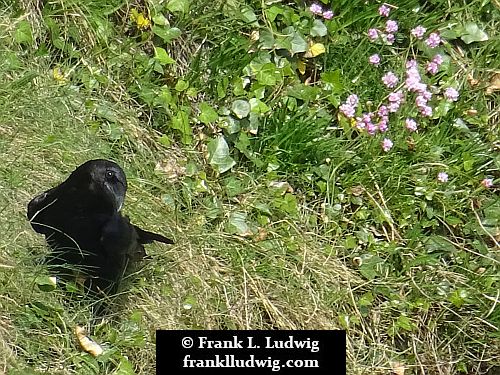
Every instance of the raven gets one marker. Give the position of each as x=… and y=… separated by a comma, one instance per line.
x=83, y=225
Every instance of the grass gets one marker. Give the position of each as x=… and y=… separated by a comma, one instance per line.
x=314, y=227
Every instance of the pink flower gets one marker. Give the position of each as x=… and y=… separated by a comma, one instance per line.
x=393, y=107
x=374, y=59
x=384, y=10
x=411, y=64
x=433, y=40
x=396, y=96
x=411, y=124
x=382, y=125
x=427, y=95
x=347, y=110
x=391, y=26
x=390, y=80
x=442, y=177
x=420, y=101
x=382, y=111
x=390, y=39
x=315, y=8
x=386, y=144
x=367, y=117
x=372, y=34
x=371, y=128
x=418, y=32
x=487, y=182
x=360, y=124
x=432, y=67
x=451, y=94
x=352, y=100
x=425, y=110
x=437, y=59
x=328, y=15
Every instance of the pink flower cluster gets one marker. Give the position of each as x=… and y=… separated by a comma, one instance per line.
x=317, y=9
x=391, y=27
x=413, y=89
x=414, y=84
x=418, y=32
x=432, y=66
x=390, y=80
x=372, y=122
x=374, y=59
x=348, y=109
x=384, y=10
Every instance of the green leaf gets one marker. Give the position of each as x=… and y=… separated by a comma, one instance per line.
x=218, y=155
x=234, y=187
x=178, y=6
x=23, y=33
x=248, y=15
x=237, y=223
x=258, y=106
x=166, y=33
x=405, y=323
x=468, y=164
x=208, y=114
x=318, y=29
x=268, y=74
x=304, y=92
x=298, y=43
x=266, y=39
x=473, y=33
x=162, y=56
x=181, y=85
x=181, y=122
x=273, y=12
x=124, y=367
x=46, y=283
x=241, y=108
x=333, y=81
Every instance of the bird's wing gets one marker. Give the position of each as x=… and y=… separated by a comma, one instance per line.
x=38, y=208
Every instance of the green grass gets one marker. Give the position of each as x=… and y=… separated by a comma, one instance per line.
x=314, y=227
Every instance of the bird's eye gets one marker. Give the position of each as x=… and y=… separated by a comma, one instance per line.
x=109, y=175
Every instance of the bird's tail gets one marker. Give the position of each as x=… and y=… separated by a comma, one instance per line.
x=145, y=237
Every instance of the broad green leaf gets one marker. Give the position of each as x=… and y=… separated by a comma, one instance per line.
x=241, y=108
x=298, y=43
x=164, y=98
x=237, y=224
x=178, y=6
x=248, y=15
x=258, y=106
x=473, y=34
x=162, y=56
x=218, y=155
x=268, y=74
x=208, y=114
x=124, y=367
x=266, y=39
x=333, y=81
x=319, y=28
x=273, y=12
x=181, y=122
x=46, y=283
x=167, y=33
x=23, y=33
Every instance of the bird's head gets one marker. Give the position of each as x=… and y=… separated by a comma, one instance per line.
x=103, y=178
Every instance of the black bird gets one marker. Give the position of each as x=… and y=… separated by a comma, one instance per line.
x=84, y=227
